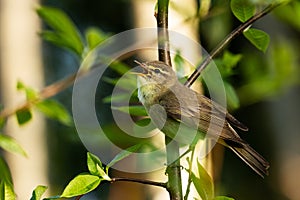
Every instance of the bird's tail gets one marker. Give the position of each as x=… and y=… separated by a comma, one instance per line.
x=251, y=158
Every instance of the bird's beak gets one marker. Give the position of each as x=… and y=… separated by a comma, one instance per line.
x=142, y=70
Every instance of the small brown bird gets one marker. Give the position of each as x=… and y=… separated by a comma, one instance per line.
x=186, y=116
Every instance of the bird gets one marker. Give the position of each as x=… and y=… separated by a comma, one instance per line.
x=187, y=116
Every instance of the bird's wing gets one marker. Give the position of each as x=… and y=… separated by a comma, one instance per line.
x=199, y=114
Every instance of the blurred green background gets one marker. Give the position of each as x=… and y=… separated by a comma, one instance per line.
x=267, y=85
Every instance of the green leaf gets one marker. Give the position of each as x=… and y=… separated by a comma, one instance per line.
x=7, y=191
x=65, y=33
x=95, y=166
x=38, y=192
x=5, y=174
x=9, y=144
x=119, y=67
x=230, y=60
x=23, y=116
x=6, y=185
x=94, y=36
x=54, y=110
x=81, y=184
x=222, y=198
x=258, y=38
x=203, y=183
x=31, y=94
x=231, y=95
x=133, y=110
x=242, y=9
x=123, y=154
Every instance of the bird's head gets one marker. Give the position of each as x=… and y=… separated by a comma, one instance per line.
x=157, y=73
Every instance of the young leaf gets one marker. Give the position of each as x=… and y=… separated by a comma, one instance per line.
x=242, y=9
x=81, y=184
x=94, y=36
x=258, y=38
x=203, y=183
x=55, y=110
x=123, y=154
x=94, y=165
x=64, y=32
x=133, y=110
x=38, y=192
x=23, y=116
x=9, y=144
x=31, y=94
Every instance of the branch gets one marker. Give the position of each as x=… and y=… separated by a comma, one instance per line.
x=226, y=41
x=172, y=148
x=45, y=93
x=146, y=182
x=163, y=34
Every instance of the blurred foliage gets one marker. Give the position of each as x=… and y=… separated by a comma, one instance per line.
x=249, y=76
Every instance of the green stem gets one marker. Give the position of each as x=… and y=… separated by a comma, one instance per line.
x=174, y=185
x=190, y=174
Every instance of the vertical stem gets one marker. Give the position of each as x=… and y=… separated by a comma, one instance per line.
x=174, y=186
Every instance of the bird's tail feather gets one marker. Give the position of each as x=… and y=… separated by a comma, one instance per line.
x=252, y=159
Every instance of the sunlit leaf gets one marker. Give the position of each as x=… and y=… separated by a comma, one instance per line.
x=10, y=145
x=23, y=116
x=6, y=186
x=242, y=9
x=133, y=110
x=7, y=191
x=81, y=184
x=94, y=36
x=123, y=154
x=54, y=110
x=203, y=183
x=30, y=93
x=258, y=38
x=92, y=161
x=65, y=33
x=38, y=192
x=95, y=166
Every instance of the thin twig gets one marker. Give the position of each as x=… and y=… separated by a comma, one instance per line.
x=142, y=181
x=45, y=93
x=226, y=41
x=190, y=174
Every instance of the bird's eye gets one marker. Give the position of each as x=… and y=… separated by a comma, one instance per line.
x=157, y=71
